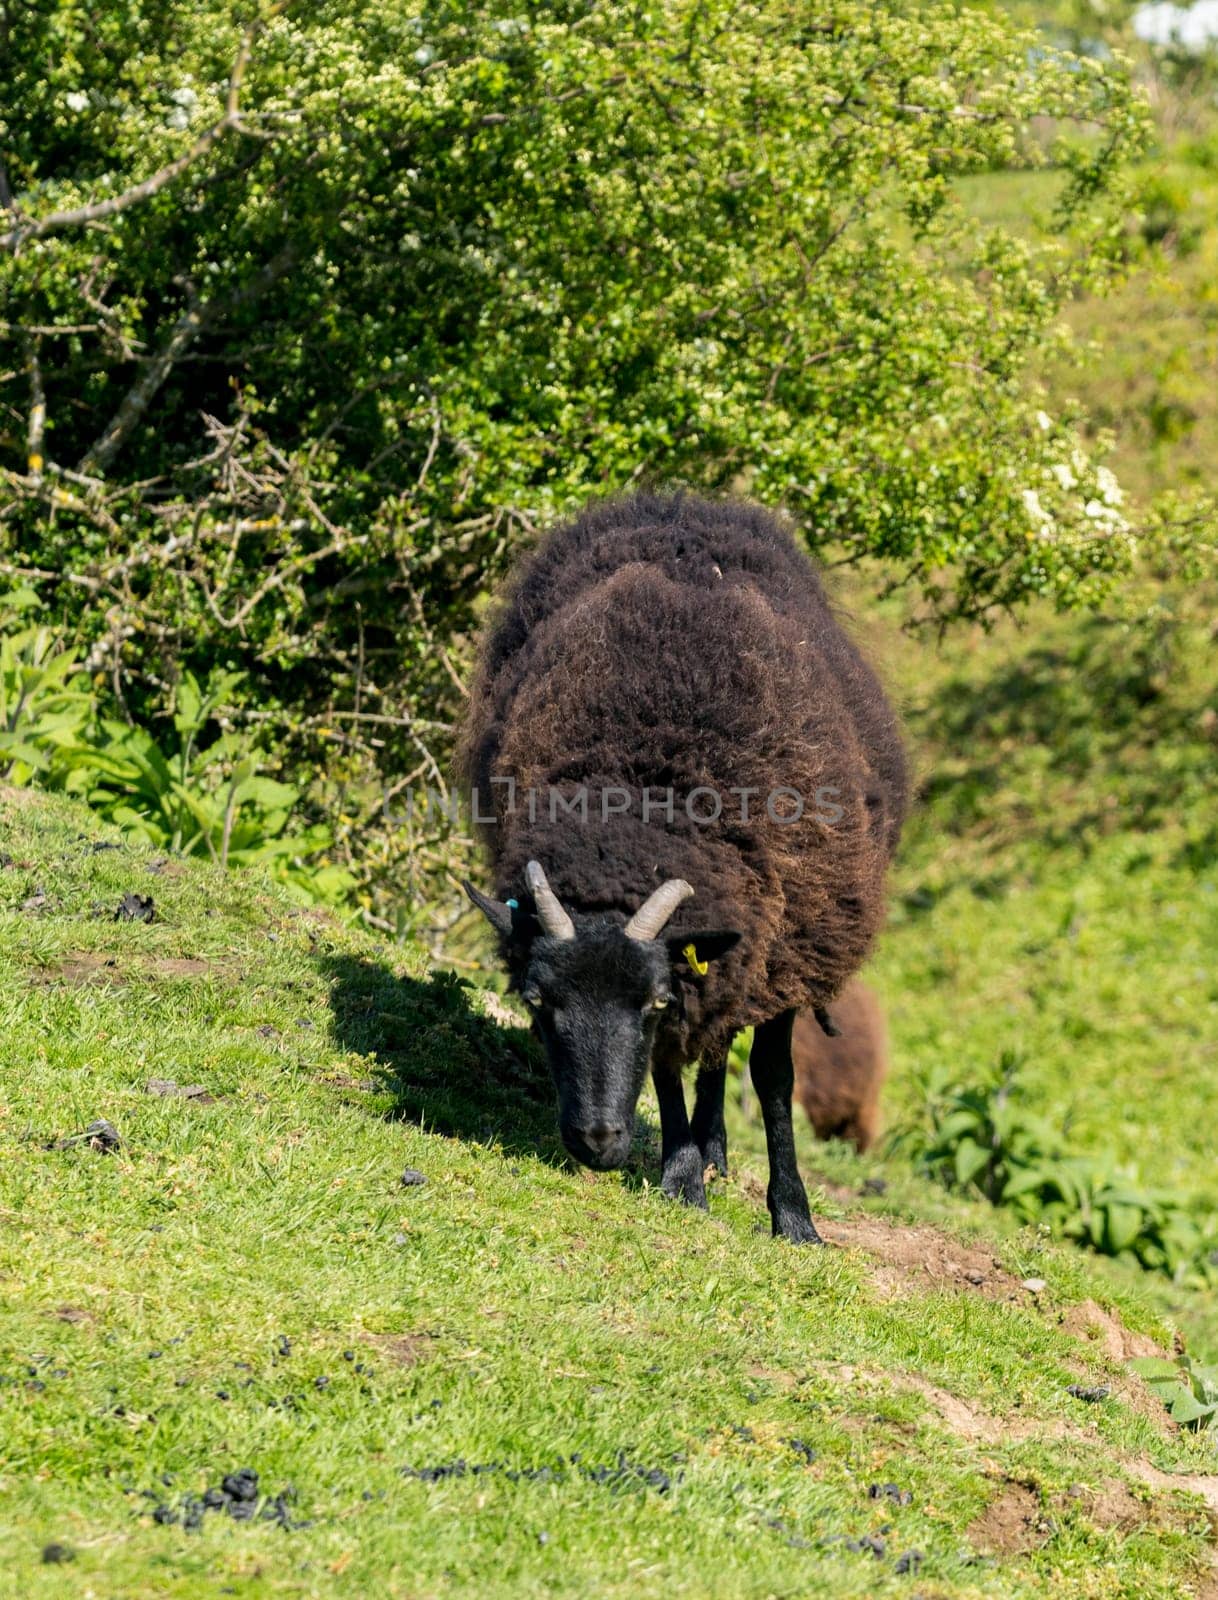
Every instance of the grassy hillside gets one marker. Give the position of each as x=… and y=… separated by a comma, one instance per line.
x=512, y=1377
x=1057, y=893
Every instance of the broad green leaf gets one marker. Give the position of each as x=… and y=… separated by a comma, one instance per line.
x=1187, y=1410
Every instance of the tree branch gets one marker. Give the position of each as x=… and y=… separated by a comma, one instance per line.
x=278, y=578
x=54, y=495
x=99, y=210
x=51, y=330
x=494, y=119
x=138, y=398
x=36, y=426
x=185, y=331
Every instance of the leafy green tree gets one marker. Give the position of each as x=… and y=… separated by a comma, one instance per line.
x=314, y=314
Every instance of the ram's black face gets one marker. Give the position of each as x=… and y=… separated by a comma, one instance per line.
x=597, y=1002
x=599, y=994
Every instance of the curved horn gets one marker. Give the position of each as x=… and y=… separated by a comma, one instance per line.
x=657, y=908
x=554, y=920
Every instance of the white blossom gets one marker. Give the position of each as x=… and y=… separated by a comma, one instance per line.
x=1032, y=505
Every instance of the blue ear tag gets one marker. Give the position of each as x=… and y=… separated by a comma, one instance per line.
x=512, y=905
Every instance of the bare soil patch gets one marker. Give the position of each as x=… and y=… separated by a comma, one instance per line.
x=1207, y=1585
x=1105, y=1334
x=1204, y=1484
x=1012, y=1524
x=1103, y=1331
x=970, y=1421
x=168, y=1089
x=404, y=1349
x=919, y=1257
x=72, y=1314
x=80, y=967
x=1114, y=1505
x=779, y=1377
x=18, y=799
x=1143, y=1401
x=163, y=867
x=1115, y=1502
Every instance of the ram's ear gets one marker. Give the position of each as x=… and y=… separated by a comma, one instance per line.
x=497, y=912
x=510, y=922
x=695, y=951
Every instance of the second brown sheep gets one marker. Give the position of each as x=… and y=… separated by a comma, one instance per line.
x=838, y=1080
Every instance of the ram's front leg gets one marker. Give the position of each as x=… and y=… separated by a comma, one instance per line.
x=681, y=1160
x=708, y=1127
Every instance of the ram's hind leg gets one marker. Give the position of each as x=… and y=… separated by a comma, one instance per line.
x=708, y=1129
x=773, y=1078
x=681, y=1160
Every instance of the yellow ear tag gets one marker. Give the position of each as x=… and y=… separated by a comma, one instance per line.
x=691, y=955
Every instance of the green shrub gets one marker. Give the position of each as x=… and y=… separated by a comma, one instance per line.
x=318, y=315
x=188, y=796
x=1187, y=1389
x=981, y=1138
x=45, y=701
x=1166, y=209
x=203, y=798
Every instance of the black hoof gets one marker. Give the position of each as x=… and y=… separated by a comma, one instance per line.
x=682, y=1178
x=715, y=1155
x=795, y=1228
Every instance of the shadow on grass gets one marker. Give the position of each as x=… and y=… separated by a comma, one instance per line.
x=452, y=1070
x=446, y=1066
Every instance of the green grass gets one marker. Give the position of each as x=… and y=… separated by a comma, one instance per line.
x=511, y=1310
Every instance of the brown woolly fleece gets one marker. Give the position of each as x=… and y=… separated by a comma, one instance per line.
x=838, y=1081
x=663, y=641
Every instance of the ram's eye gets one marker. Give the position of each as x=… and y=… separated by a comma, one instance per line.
x=660, y=1001
x=532, y=996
